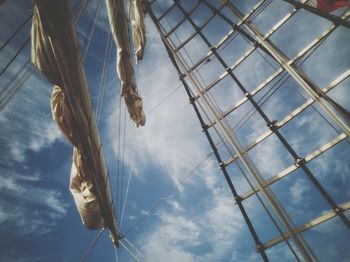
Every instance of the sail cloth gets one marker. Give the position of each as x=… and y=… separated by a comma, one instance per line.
x=55, y=52
x=138, y=27
x=119, y=28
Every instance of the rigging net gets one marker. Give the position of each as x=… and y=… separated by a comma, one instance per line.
x=204, y=101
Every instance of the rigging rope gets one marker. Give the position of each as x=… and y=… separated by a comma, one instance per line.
x=252, y=110
x=128, y=185
x=106, y=63
x=116, y=254
x=93, y=243
x=166, y=197
x=16, y=32
x=118, y=155
x=129, y=251
x=268, y=212
x=89, y=34
x=15, y=56
x=303, y=59
x=27, y=69
x=269, y=195
x=136, y=249
x=122, y=165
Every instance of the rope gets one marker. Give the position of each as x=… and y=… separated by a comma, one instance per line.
x=128, y=185
x=26, y=70
x=93, y=243
x=269, y=94
x=122, y=164
x=13, y=79
x=286, y=80
x=118, y=154
x=88, y=36
x=116, y=254
x=16, y=31
x=129, y=251
x=106, y=63
x=15, y=56
x=271, y=198
x=267, y=211
x=137, y=250
x=167, y=197
x=80, y=7
x=18, y=82
x=23, y=45
x=164, y=99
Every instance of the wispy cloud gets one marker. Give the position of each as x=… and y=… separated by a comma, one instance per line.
x=26, y=129
x=31, y=209
x=298, y=190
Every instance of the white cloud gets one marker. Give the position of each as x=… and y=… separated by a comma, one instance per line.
x=217, y=227
x=171, y=138
x=298, y=190
x=30, y=125
x=32, y=209
x=175, y=205
x=27, y=127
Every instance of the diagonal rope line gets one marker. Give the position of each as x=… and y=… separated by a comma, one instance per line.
x=167, y=197
x=93, y=243
x=128, y=186
x=136, y=249
x=116, y=254
x=122, y=163
x=88, y=36
x=106, y=63
x=27, y=69
x=129, y=251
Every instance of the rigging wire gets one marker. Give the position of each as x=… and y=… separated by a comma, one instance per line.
x=129, y=251
x=118, y=154
x=106, y=64
x=268, y=212
x=136, y=249
x=215, y=104
x=19, y=82
x=80, y=7
x=123, y=166
x=164, y=99
x=116, y=254
x=26, y=70
x=235, y=33
x=186, y=52
x=166, y=197
x=28, y=38
x=15, y=56
x=16, y=32
x=252, y=110
x=303, y=59
x=127, y=187
x=93, y=243
x=252, y=187
x=88, y=36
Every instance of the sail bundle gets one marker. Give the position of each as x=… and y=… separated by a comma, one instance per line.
x=119, y=27
x=55, y=52
x=138, y=27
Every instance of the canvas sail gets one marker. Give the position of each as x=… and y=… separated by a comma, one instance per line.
x=55, y=52
x=119, y=28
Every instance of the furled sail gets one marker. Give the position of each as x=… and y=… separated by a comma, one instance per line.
x=138, y=27
x=119, y=28
x=55, y=52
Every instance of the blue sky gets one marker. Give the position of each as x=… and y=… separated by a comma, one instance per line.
x=38, y=218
